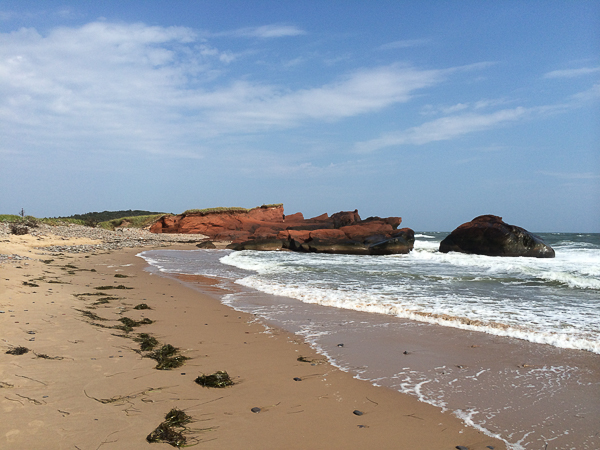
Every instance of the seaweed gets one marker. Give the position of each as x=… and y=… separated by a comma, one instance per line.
x=27, y=283
x=120, y=286
x=303, y=359
x=171, y=430
x=120, y=275
x=141, y=306
x=90, y=315
x=218, y=379
x=146, y=342
x=17, y=351
x=104, y=300
x=167, y=357
x=44, y=356
x=46, y=261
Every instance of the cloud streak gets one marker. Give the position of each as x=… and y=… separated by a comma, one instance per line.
x=572, y=73
x=444, y=129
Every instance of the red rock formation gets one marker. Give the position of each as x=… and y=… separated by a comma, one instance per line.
x=260, y=227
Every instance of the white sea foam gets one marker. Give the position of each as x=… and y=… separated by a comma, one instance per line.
x=550, y=301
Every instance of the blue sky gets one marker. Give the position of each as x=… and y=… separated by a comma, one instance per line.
x=435, y=111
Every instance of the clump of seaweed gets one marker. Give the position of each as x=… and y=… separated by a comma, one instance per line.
x=167, y=357
x=120, y=286
x=27, y=283
x=103, y=300
x=146, y=341
x=120, y=275
x=171, y=430
x=304, y=359
x=90, y=314
x=46, y=261
x=44, y=356
x=17, y=351
x=141, y=306
x=218, y=379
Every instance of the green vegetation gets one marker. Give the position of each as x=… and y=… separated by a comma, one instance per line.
x=106, y=216
x=131, y=221
x=230, y=209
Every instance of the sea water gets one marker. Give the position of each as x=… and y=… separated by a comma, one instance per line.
x=386, y=307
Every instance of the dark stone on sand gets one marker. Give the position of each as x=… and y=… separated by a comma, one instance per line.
x=356, y=412
x=489, y=235
x=340, y=345
x=460, y=447
x=206, y=244
x=256, y=409
x=297, y=379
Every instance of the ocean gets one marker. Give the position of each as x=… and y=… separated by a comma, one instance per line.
x=510, y=345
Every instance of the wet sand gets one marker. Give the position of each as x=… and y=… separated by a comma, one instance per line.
x=86, y=385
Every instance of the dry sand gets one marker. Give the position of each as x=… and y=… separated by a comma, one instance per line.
x=82, y=386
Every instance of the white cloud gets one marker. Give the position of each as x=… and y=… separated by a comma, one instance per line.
x=265, y=31
x=163, y=90
x=572, y=73
x=571, y=175
x=444, y=128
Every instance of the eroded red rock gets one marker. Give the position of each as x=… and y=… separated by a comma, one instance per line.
x=267, y=228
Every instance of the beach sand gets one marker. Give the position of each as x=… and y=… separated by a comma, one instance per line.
x=82, y=385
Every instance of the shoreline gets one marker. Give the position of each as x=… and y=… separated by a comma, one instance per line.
x=102, y=393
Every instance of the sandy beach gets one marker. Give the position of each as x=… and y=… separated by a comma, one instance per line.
x=85, y=384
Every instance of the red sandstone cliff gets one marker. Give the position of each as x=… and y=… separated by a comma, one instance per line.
x=270, y=223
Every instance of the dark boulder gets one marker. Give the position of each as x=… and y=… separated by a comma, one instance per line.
x=402, y=243
x=335, y=246
x=206, y=244
x=489, y=235
x=259, y=244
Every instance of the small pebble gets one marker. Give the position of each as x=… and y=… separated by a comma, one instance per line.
x=340, y=345
x=256, y=409
x=182, y=373
x=405, y=352
x=297, y=379
x=356, y=412
x=460, y=447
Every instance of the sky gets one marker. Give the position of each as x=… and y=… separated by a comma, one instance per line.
x=434, y=111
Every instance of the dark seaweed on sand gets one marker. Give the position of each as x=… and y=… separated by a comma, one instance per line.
x=171, y=430
x=120, y=286
x=218, y=379
x=17, y=351
x=120, y=275
x=147, y=342
x=141, y=306
x=167, y=357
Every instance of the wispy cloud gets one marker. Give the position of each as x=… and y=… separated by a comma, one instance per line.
x=444, y=128
x=406, y=43
x=265, y=31
x=572, y=73
x=571, y=175
x=162, y=90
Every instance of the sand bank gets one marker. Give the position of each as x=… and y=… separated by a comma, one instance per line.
x=84, y=385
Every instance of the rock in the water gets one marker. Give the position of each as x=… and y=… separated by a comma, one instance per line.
x=260, y=244
x=335, y=246
x=489, y=235
x=402, y=243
